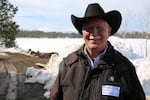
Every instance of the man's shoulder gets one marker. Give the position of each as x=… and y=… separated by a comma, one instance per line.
x=113, y=55
x=118, y=60
x=71, y=58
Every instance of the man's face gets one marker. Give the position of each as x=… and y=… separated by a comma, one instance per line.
x=95, y=34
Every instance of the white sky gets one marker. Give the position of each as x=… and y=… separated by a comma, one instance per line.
x=54, y=15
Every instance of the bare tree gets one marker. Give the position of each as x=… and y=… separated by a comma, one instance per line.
x=145, y=26
x=126, y=21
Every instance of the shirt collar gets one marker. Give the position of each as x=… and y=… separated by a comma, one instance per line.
x=98, y=58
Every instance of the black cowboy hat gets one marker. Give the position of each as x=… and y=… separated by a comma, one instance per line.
x=94, y=10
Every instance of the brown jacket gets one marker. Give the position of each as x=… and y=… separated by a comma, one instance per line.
x=114, y=78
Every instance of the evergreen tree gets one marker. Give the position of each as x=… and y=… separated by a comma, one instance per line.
x=8, y=28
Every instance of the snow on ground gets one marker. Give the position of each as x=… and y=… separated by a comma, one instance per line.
x=134, y=49
x=46, y=44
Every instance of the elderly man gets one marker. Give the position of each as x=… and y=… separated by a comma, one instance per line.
x=97, y=71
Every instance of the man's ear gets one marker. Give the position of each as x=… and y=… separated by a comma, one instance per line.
x=110, y=30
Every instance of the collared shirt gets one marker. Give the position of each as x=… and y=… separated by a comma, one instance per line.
x=98, y=58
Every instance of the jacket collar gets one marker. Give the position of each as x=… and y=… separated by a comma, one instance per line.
x=116, y=59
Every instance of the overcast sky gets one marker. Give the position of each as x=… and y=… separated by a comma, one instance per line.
x=54, y=15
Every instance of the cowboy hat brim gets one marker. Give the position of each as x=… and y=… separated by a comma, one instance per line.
x=113, y=18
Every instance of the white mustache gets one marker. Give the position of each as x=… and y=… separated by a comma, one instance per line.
x=95, y=37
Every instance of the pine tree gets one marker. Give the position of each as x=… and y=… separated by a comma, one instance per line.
x=8, y=28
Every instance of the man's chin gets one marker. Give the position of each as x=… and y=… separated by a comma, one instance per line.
x=93, y=46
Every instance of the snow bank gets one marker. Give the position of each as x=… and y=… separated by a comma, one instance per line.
x=122, y=46
x=48, y=76
x=143, y=72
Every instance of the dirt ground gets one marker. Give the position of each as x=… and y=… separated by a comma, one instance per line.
x=12, y=75
x=20, y=61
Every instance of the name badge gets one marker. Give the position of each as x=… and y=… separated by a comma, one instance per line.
x=110, y=90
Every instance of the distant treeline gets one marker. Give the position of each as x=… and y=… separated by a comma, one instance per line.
x=41, y=34
x=134, y=35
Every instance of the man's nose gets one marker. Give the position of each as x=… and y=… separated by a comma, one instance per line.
x=94, y=30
